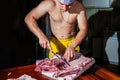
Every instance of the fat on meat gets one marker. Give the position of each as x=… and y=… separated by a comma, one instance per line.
x=56, y=69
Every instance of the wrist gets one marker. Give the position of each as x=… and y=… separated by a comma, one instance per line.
x=72, y=45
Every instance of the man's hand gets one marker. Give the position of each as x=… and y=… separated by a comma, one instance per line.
x=44, y=43
x=69, y=54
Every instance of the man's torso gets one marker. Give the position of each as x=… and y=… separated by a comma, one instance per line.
x=63, y=23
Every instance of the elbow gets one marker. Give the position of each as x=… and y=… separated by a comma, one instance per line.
x=29, y=19
x=26, y=19
x=84, y=30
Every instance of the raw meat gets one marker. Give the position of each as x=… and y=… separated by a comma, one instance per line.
x=23, y=77
x=57, y=69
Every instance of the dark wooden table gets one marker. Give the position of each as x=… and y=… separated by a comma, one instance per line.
x=94, y=73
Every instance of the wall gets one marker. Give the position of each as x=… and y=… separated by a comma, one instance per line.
x=17, y=43
x=101, y=19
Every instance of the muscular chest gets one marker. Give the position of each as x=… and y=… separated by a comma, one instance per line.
x=65, y=17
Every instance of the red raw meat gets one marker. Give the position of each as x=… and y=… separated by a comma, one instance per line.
x=57, y=69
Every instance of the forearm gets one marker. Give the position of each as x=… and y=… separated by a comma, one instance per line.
x=33, y=27
x=79, y=38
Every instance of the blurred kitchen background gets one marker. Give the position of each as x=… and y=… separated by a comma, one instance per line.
x=18, y=46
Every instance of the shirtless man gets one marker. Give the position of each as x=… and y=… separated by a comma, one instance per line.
x=63, y=16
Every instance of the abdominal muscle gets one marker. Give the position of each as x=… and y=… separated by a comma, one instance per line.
x=63, y=32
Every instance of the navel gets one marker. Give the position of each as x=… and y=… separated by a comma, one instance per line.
x=62, y=36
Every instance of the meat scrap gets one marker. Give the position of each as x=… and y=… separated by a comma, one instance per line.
x=23, y=77
x=56, y=69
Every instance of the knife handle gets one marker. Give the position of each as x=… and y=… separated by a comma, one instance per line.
x=49, y=48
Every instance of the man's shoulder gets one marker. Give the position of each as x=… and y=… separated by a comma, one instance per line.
x=49, y=3
x=79, y=5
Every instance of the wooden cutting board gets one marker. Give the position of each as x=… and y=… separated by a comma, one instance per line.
x=94, y=73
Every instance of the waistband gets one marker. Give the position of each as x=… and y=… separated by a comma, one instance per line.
x=67, y=39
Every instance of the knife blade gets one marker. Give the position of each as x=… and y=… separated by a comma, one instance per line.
x=60, y=58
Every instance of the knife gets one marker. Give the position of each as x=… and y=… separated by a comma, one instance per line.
x=60, y=58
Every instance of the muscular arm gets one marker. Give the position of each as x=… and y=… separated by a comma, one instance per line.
x=82, y=24
x=33, y=16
